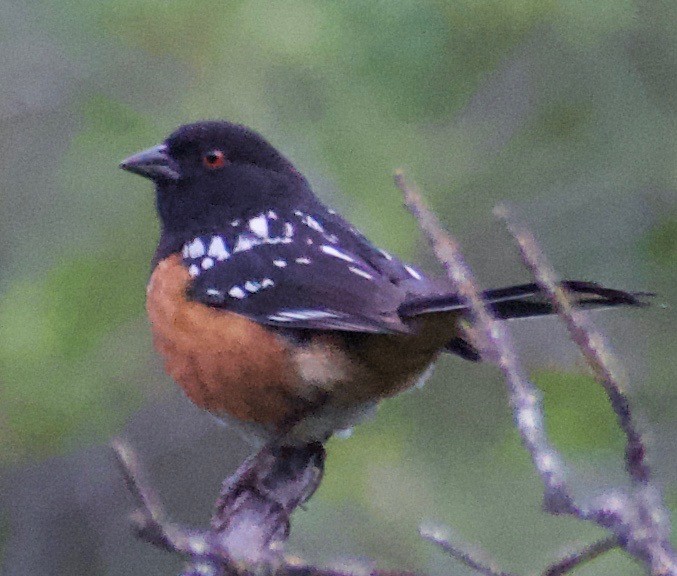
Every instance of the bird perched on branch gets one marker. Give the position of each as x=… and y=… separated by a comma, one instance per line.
x=273, y=312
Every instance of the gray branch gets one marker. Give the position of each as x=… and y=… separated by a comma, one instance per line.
x=637, y=519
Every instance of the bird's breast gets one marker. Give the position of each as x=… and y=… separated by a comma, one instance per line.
x=279, y=386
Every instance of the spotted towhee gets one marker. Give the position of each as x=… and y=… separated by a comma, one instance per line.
x=273, y=312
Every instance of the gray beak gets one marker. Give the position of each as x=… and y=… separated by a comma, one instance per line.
x=154, y=163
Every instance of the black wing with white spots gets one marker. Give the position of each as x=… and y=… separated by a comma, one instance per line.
x=298, y=270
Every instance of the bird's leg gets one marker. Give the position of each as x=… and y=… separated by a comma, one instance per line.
x=259, y=498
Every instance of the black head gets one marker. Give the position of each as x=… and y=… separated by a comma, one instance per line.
x=209, y=173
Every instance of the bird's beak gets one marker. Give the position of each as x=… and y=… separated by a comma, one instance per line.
x=154, y=163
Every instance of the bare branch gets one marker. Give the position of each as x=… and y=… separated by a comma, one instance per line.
x=250, y=520
x=131, y=471
x=494, y=342
x=477, y=560
x=592, y=343
x=637, y=520
x=579, y=557
x=149, y=518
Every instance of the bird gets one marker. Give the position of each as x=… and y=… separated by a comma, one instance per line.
x=274, y=313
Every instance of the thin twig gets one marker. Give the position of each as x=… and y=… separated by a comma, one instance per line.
x=131, y=471
x=250, y=519
x=495, y=345
x=440, y=537
x=568, y=563
x=149, y=518
x=639, y=519
x=591, y=341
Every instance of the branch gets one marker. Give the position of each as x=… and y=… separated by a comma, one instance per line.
x=250, y=520
x=251, y=517
x=149, y=519
x=493, y=339
x=477, y=560
x=591, y=342
x=574, y=560
x=637, y=520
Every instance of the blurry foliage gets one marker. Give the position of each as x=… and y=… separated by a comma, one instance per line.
x=578, y=413
x=88, y=298
x=565, y=107
x=661, y=243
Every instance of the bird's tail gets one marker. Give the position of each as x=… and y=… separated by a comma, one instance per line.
x=522, y=301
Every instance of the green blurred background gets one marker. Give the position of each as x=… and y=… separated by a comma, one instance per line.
x=566, y=108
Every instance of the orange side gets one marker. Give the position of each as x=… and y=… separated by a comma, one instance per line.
x=223, y=361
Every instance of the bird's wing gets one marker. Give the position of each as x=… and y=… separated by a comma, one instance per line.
x=293, y=283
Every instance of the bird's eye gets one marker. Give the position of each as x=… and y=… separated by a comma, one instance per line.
x=214, y=159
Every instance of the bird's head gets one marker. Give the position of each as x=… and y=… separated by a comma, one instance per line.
x=211, y=172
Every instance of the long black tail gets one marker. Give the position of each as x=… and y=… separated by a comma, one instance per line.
x=523, y=301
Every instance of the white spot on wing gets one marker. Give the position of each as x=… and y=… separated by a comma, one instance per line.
x=207, y=263
x=312, y=223
x=386, y=255
x=266, y=282
x=196, y=248
x=320, y=314
x=237, y=292
x=251, y=286
x=276, y=318
x=272, y=215
x=217, y=249
x=185, y=251
x=213, y=292
x=193, y=270
x=336, y=253
x=245, y=242
x=280, y=263
x=306, y=314
x=259, y=226
x=360, y=272
x=303, y=260
x=413, y=273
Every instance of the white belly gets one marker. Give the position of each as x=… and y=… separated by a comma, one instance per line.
x=318, y=426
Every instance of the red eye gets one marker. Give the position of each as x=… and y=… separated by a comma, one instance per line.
x=214, y=159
